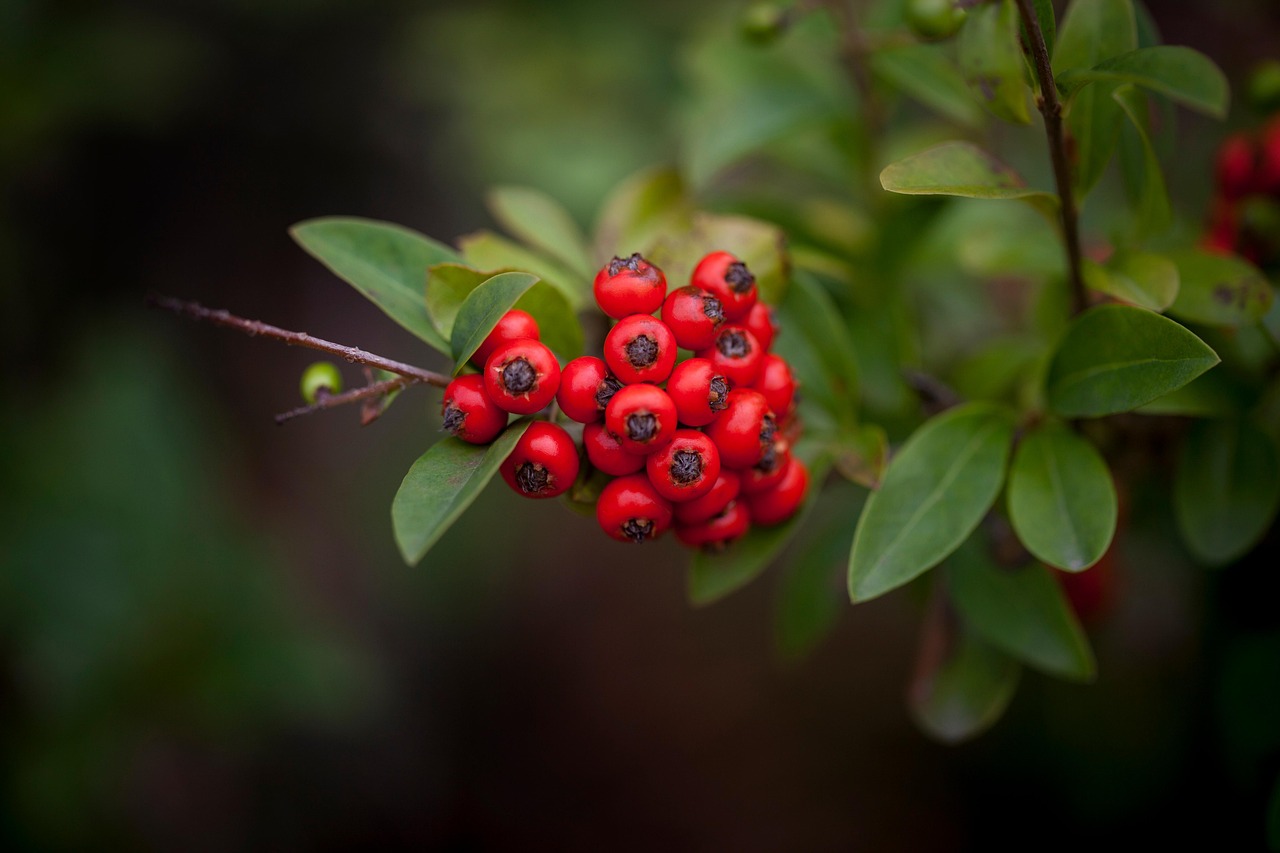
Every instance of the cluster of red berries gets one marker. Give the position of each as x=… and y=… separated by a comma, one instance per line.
x=700, y=444
x=1245, y=217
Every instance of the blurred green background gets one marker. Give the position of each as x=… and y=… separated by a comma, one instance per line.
x=207, y=639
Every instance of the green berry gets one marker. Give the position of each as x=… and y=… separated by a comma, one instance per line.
x=321, y=375
x=934, y=19
x=1264, y=86
x=763, y=22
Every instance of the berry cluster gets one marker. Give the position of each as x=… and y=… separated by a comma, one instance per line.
x=1246, y=209
x=699, y=444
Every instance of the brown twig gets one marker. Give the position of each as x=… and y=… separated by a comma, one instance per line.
x=255, y=328
x=1051, y=108
x=355, y=395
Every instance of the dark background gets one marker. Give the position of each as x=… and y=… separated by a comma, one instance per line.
x=207, y=639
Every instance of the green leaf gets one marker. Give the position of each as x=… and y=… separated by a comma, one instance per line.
x=991, y=58
x=1061, y=499
x=1022, y=611
x=713, y=576
x=385, y=262
x=960, y=169
x=1146, y=280
x=441, y=485
x=1210, y=395
x=482, y=310
x=1115, y=358
x=825, y=353
x=760, y=245
x=1146, y=185
x=1185, y=75
x=1091, y=32
x=558, y=325
x=448, y=286
x=810, y=593
x=926, y=73
x=935, y=491
x=1219, y=290
x=639, y=209
x=1226, y=488
x=962, y=683
x=487, y=251
x=542, y=222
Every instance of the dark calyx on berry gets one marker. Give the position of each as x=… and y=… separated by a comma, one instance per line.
x=733, y=344
x=519, y=376
x=642, y=351
x=641, y=426
x=717, y=393
x=604, y=393
x=738, y=277
x=768, y=429
x=636, y=264
x=454, y=418
x=712, y=308
x=532, y=478
x=768, y=459
x=686, y=466
x=637, y=529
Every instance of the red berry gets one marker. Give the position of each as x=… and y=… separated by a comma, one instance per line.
x=522, y=376
x=629, y=286
x=781, y=502
x=606, y=452
x=698, y=391
x=544, y=462
x=768, y=472
x=744, y=429
x=736, y=353
x=728, y=280
x=724, y=490
x=469, y=412
x=586, y=386
x=686, y=468
x=515, y=325
x=714, y=533
x=693, y=316
x=640, y=348
x=776, y=383
x=629, y=509
x=1223, y=236
x=642, y=417
x=1235, y=166
x=763, y=325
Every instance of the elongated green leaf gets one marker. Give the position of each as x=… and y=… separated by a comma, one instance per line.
x=713, y=576
x=488, y=251
x=810, y=592
x=1115, y=358
x=1091, y=32
x=1219, y=290
x=542, y=222
x=927, y=74
x=1146, y=186
x=441, y=485
x=935, y=491
x=482, y=310
x=385, y=262
x=991, y=58
x=1022, y=611
x=1061, y=499
x=448, y=286
x=1211, y=395
x=1143, y=279
x=960, y=169
x=1226, y=488
x=1185, y=75
x=962, y=683
x=828, y=357
x=639, y=209
x=558, y=325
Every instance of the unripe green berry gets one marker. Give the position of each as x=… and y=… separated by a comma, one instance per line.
x=322, y=374
x=934, y=19
x=764, y=21
x=1264, y=86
